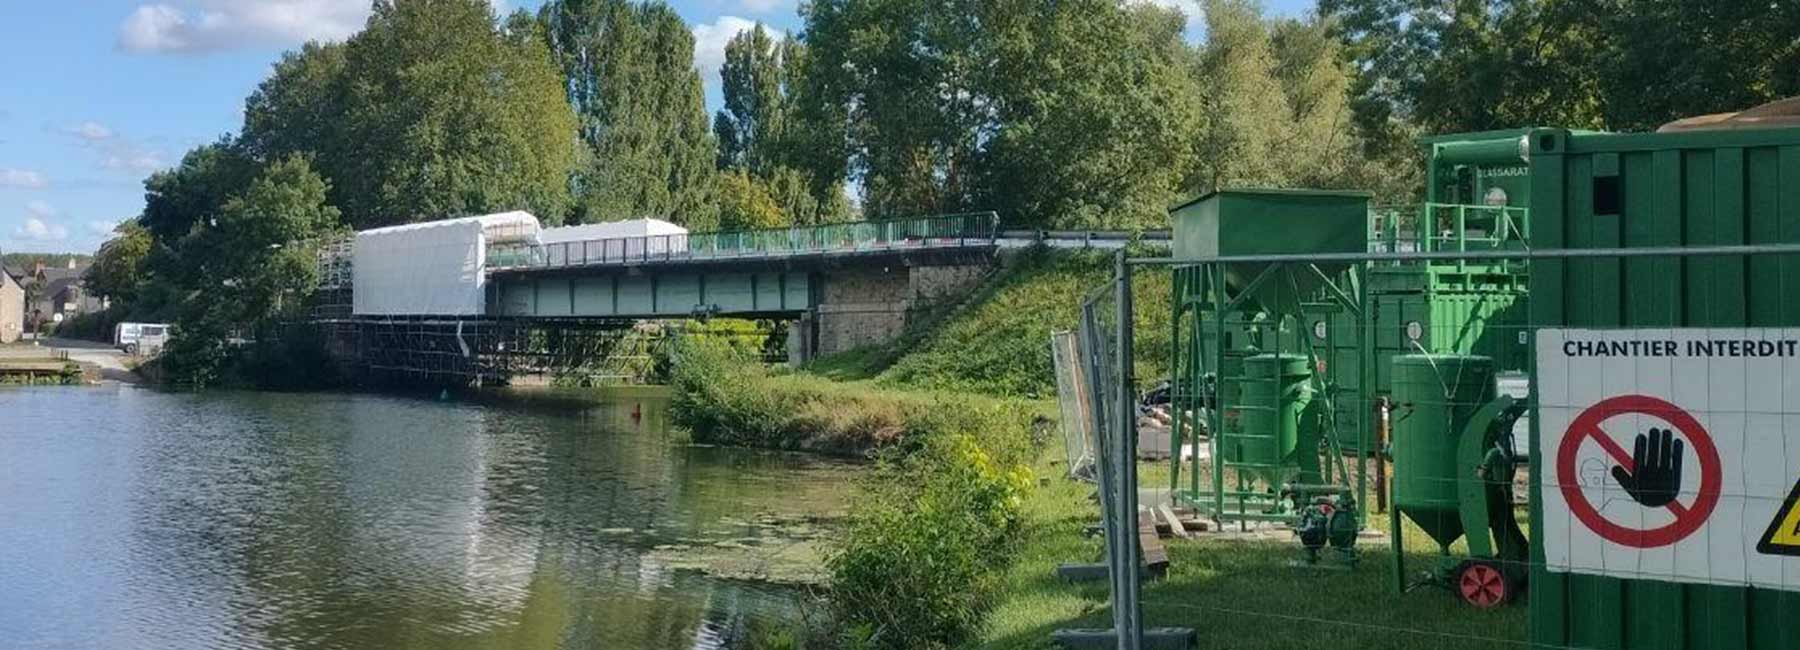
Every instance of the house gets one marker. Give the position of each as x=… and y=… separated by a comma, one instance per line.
x=12, y=305
x=56, y=293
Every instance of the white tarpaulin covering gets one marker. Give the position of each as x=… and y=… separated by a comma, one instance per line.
x=609, y=230
x=1671, y=454
x=433, y=268
x=612, y=241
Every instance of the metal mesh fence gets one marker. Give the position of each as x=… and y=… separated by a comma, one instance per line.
x=1074, y=403
x=1592, y=448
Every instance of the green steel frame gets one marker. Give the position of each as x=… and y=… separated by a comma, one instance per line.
x=1212, y=314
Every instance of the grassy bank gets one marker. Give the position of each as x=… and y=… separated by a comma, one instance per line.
x=997, y=341
x=724, y=399
x=1235, y=594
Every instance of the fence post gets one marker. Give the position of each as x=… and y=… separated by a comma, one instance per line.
x=1127, y=618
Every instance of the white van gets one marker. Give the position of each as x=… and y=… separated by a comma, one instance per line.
x=140, y=338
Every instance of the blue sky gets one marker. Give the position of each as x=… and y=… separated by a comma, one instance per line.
x=97, y=94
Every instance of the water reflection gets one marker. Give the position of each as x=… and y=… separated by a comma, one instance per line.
x=134, y=518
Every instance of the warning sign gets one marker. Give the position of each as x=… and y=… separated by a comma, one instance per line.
x=1671, y=454
x=1783, y=536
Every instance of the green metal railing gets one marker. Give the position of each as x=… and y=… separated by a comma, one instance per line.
x=946, y=231
x=1448, y=228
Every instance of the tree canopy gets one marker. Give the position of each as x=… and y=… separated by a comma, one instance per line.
x=432, y=111
x=629, y=75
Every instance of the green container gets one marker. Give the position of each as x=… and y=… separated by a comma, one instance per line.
x=1276, y=390
x=1272, y=222
x=1435, y=396
x=1661, y=189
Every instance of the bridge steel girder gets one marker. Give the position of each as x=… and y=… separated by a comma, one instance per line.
x=671, y=294
x=749, y=288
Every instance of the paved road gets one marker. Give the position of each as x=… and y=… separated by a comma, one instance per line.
x=110, y=361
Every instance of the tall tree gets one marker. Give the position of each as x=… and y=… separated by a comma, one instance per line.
x=118, y=268
x=1661, y=60
x=1097, y=111
x=751, y=125
x=630, y=77
x=762, y=135
x=1068, y=112
x=259, y=266
x=903, y=74
x=1246, y=122
x=432, y=111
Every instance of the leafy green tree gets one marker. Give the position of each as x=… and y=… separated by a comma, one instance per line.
x=760, y=132
x=1662, y=60
x=744, y=204
x=259, y=266
x=630, y=77
x=751, y=125
x=904, y=76
x=178, y=200
x=432, y=111
x=118, y=268
x=301, y=106
x=1097, y=112
x=264, y=233
x=1070, y=112
x=1246, y=122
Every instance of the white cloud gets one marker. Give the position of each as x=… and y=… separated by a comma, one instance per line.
x=709, y=44
x=118, y=152
x=22, y=179
x=37, y=225
x=35, y=229
x=90, y=131
x=202, y=26
x=136, y=160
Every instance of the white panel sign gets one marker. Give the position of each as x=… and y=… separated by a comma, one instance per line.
x=1671, y=454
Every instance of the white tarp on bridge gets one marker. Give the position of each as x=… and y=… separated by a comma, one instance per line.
x=435, y=268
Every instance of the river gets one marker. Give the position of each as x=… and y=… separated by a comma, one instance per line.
x=133, y=518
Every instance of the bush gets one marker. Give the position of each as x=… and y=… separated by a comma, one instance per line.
x=92, y=326
x=923, y=557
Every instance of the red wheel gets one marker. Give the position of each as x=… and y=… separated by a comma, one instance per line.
x=1483, y=585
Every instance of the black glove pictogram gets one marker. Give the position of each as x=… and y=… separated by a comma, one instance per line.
x=1657, y=475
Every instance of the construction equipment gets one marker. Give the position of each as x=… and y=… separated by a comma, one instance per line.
x=1454, y=465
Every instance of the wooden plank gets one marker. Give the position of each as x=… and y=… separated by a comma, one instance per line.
x=1156, y=558
x=1175, y=525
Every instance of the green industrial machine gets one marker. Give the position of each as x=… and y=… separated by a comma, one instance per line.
x=1454, y=466
x=1253, y=373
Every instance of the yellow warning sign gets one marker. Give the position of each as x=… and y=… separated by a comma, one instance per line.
x=1783, y=536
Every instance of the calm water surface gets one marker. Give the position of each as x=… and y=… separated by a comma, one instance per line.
x=131, y=518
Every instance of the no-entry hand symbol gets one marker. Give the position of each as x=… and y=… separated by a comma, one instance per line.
x=1654, y=477
x=1651, y=474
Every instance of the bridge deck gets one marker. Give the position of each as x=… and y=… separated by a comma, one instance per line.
x=951, y=232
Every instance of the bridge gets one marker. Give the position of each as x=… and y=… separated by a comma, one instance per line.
x=846, y=284
x=840, y=286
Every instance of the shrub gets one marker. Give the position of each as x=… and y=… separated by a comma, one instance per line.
x=923, y=556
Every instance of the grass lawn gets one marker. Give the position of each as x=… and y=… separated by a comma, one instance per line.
x=1235, y=594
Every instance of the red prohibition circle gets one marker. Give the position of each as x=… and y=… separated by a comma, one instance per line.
x=1687, y=518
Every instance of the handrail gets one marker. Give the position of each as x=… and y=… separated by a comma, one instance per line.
x=946, y=231
x=1448, y=228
